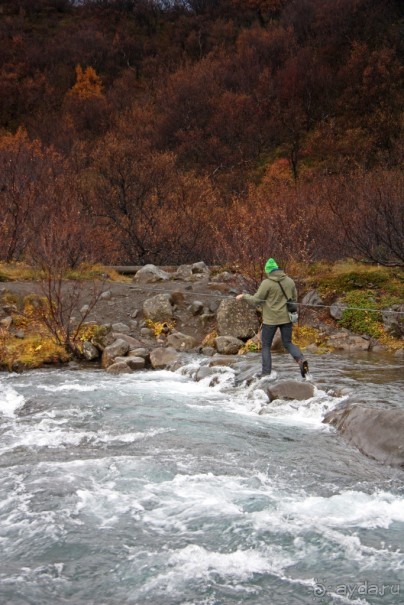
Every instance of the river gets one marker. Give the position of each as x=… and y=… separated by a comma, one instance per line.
x=153, y=488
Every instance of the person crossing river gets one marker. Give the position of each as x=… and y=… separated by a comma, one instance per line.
x=273, y=293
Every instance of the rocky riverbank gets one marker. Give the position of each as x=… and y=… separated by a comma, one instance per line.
x=151, y=318
x=161, y=317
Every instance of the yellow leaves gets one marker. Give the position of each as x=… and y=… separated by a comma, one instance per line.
x=160, y=327
x=88, y=84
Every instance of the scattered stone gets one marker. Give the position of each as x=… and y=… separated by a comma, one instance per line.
x=291, y=390
x=150, y=274
x=158, y=308
x=337, y=309
x=117, y=349
x=134, y=313
x=135, y=363
x=312, y=298
x=222, y=360
x=84, y=309
x=19, y=334
x=206, y=318
x=228, y=345
x=163, y=357
x=103, y=337
x=140, y=352
x=196, y=308
x=393, y=320
x=106, y=295
x=236, y=318
x=346, y=341
x=146, y=332
x=120, y=328
x=119, y=368
x=90, y=352
x=6, y=322
x=133, y=343
x=208, y=351
x=181, y=342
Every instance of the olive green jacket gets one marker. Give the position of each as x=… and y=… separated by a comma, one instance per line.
x=270, y=296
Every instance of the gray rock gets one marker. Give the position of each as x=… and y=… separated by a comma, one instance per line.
x=228, y=345
x=133, y=343
x=377, y=433
x=312, y=298
x=393, y=320
x=84, y=310
x=90, y=352
x=6, y=322
x=223, y=360
x=236, y=318
x=291, y=389
x=163, y=357
x=146, y=332
x=150, y=274
x=119, y=368
x=337, y=309
x=117, y=349
x=208, y=351
x=106, y=295
x=181, y=342
x=139, y=352
x=120, y=328
x=158, y=308
x=346, y=341
x=135, y=363
x=20, y=334
x=192, y=272
x=196, y=308
x=103, y=337
x=206, y=318
x=134, y=313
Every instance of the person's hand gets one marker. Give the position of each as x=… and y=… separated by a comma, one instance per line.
x=239, y=296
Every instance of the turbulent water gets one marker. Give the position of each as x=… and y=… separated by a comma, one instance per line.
x=153, y=488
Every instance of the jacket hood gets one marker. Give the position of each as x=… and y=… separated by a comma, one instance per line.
x=276, y=275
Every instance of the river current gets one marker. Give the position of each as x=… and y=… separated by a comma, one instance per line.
x=154, y=488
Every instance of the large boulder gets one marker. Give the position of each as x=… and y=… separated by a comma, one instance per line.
x=192, y=272
x=337, y=309
x=133, y=343
x=378, y=433
x=236, y=318
x=393, y=320
x=90, y=352
x=312, y=299
x=291, y=390
x=119, y=367
x=150, y=274
x=163, y=358
x=346, y=341
x=181, y=342
x=158, y=308
x=228, y=345
x=134, y=362
x=118, y=348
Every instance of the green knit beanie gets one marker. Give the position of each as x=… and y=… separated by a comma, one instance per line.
x=270, y=265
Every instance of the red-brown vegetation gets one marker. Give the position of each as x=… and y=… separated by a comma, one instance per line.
x=167, y=132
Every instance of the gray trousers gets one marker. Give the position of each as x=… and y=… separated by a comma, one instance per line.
x=267, y=336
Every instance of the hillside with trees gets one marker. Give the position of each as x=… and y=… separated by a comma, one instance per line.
x=137, y=131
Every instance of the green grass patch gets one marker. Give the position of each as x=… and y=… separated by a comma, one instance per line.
x=363, y=315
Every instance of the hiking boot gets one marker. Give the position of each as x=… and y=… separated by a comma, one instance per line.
x=304, y=367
